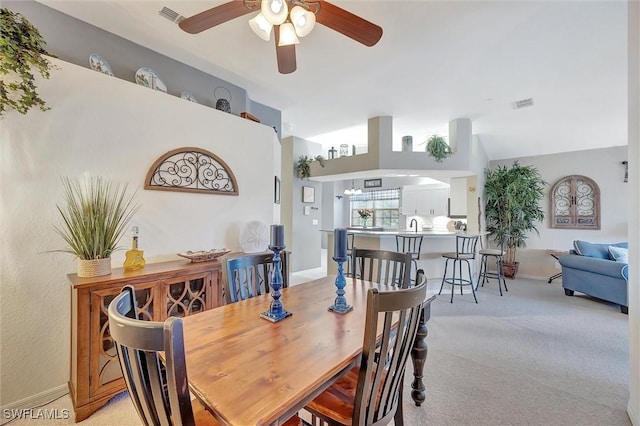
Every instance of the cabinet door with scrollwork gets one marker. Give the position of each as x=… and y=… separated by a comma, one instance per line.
x=575, y=203
x=188, y=295
x=105, y=369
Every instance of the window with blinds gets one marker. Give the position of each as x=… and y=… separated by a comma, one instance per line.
x=384, y=203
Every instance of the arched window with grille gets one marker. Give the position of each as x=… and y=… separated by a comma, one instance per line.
x=575, y=203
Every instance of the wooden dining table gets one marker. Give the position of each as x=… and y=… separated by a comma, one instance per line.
x=249, y=371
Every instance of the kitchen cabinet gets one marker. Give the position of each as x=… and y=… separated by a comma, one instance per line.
x=458, y=198
x=175, y=288
x=424, y=201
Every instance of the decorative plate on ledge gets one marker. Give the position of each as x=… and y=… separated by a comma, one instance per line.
x=204, y=255
x=148, y=78
x=98, y=63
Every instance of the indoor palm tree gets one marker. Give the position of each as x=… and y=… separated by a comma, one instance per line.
x=512, y=206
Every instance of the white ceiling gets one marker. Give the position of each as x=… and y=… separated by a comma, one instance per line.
x=436, y=61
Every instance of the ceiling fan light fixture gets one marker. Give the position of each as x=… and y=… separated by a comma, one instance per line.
x=261, y=26
x=287, y=35
x=303, y=20
x=275, y=11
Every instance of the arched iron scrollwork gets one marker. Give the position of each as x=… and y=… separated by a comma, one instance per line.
x=191, y=170
x=575, y=203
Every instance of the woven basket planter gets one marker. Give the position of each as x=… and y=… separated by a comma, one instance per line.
x=94, y=267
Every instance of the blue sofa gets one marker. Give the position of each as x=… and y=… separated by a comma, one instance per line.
x=592, y=269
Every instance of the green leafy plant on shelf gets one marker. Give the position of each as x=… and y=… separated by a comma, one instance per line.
x=512, y=207
x=21, y=50
x=304, y=165
x=438, y=148
x=94, y=216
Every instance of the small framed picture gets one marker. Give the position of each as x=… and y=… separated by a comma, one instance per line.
x=308, y=194
x=373, y=183
x=276, y=191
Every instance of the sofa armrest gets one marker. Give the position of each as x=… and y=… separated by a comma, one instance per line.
x=592, y=264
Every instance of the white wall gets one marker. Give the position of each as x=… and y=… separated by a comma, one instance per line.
x=109, y=127
x=605, y=168
x=301, y=233
x=633, y=407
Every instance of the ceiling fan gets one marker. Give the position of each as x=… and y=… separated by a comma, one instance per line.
x=291, y=19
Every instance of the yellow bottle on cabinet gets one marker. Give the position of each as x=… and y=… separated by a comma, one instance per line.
x=134, y=258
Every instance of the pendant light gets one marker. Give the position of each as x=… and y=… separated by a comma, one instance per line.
x=303, y=20
x=353, y=190
x=275, y=11
x=287, y=35
x=261, y=26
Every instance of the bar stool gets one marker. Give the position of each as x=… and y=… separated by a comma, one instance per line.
x=497, y=254
x=410, y=244
x=465, y=252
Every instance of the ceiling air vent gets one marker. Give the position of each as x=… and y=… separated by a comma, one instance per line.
x=523, y=103
x=171, y=15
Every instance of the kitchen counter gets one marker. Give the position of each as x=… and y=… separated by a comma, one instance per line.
x=434, y=243
x=393, y=232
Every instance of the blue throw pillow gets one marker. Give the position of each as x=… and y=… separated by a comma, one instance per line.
x=585, y=248
x=600, y=251
x=619, y=254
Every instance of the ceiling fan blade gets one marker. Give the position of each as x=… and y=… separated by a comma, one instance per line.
x=286, y=55
x=214, y=16
x=348, y=24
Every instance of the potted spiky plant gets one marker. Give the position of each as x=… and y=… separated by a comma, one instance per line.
x=94, y=216
x=512, y=207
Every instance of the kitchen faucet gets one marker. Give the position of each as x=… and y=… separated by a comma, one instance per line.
x=411, y=224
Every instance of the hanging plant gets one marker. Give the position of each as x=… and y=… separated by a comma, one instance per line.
x=438, y=148
x=21, y=50
x=304, y=165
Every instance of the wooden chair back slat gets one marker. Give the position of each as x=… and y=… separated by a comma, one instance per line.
x=382, y=266
x=384, y=361
x=159, y=391
x=246, y=276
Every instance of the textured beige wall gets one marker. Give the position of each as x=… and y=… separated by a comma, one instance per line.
x=108, y=127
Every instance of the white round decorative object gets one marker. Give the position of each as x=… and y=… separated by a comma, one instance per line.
x=254, y=237
x=98, y=63
x=148, y=78
x=188, y=96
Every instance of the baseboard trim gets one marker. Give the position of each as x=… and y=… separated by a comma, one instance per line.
x=532, y=277
x=633, y=416
x=36, y=400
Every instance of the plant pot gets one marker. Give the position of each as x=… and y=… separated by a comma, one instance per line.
x=510, y=270
x=94, y=267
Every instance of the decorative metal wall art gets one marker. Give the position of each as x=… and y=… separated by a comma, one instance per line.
x=575, y=203
x=191, y=170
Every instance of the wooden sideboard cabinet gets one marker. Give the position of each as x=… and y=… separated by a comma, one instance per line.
x=176, y=288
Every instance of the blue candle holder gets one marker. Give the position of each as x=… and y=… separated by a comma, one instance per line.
x=340, y=305
x=276, y=311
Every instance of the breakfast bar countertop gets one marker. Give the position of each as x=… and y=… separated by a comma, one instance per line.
x=381, y=232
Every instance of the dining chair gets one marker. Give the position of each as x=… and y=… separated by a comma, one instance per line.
x=159, y=390
x=410, y=244
x=371, y=394
x=248, y=275
x=497, y=255
x=382, y=266
x=350, y=238
x=465, y=252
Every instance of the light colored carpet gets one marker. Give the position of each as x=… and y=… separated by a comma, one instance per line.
x=531, y=357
